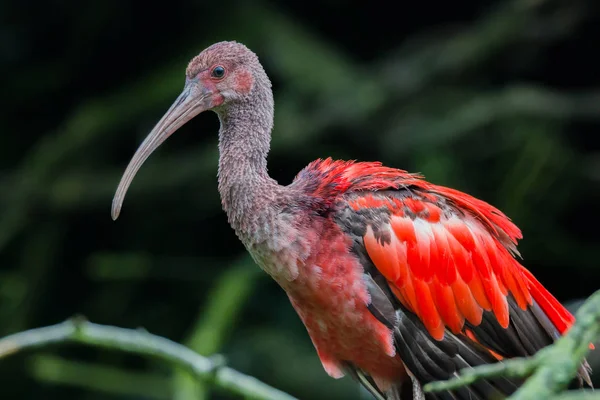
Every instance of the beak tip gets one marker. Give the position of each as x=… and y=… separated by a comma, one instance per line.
x=115, y=211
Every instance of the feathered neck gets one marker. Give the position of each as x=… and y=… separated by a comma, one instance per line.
x=244, y=139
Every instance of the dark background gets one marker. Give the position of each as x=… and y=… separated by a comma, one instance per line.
x=500, y=99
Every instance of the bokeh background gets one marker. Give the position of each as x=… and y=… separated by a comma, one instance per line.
x=497, y=98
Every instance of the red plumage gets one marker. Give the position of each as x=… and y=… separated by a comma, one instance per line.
x=444, y=255
x=441, y=258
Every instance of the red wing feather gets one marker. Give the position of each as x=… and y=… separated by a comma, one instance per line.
x=560, y=316
x=448, y=268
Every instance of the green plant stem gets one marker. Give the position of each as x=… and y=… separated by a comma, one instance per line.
x=514, y=368
x=142, y=343
x=587, y=394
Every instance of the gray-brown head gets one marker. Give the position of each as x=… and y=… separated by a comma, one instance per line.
x=222, y=76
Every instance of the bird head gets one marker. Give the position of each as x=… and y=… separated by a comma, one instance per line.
x=220, y=75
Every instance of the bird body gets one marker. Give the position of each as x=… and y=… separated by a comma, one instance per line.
x=396, y=279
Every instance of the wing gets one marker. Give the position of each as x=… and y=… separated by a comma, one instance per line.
x=441, y=271
x=460, y=297
x=440, y=264
x=447, y=256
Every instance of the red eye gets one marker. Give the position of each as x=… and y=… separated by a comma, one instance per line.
x=218, y=72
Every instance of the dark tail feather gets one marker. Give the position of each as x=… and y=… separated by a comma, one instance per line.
x=428, y=360
x=367, y=382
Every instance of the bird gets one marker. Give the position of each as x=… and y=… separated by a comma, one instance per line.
x=398, y=281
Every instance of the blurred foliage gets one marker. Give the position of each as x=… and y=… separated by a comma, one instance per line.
x=499, y=99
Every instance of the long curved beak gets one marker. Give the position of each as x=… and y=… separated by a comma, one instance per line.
x=192, y=101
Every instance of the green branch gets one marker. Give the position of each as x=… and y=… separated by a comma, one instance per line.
x=584, y=394
x=514, y=368
x=550, y=370
x=146, y=344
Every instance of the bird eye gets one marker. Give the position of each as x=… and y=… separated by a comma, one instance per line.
x=218, y=72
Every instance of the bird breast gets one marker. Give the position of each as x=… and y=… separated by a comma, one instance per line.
x=313, y=263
